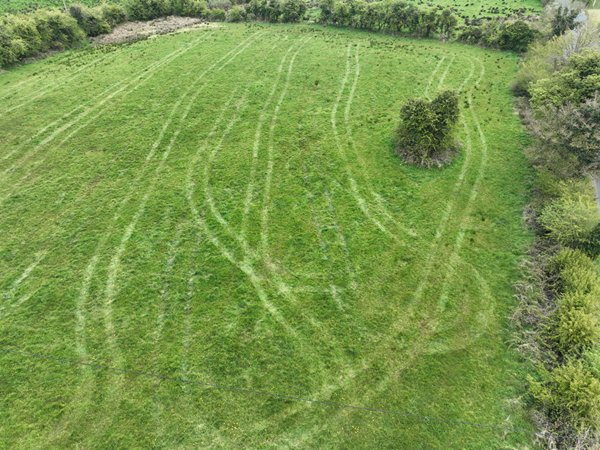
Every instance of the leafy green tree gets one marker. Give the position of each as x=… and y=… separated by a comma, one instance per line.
x=425, y=135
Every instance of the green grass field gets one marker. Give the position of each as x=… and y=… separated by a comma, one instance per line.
x=207, y=240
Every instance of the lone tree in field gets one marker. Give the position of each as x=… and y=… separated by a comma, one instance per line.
x=425, y=136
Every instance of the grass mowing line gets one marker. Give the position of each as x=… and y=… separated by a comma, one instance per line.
x=115, y=261
x=256, y=145
x=127, y=88
x=12, y=349
x=378, y=200
x=354, y=191
x=352, y=372
x=114, y=267
x=255, y=279
x=264, y=215
x=426, y=332
x=432, y=76
x=143, y=75
x=445, y=74
x=41, y=93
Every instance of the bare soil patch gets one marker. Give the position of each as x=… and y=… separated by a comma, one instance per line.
x=134, y=31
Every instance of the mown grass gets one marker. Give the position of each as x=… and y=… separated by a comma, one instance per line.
x=221, y=212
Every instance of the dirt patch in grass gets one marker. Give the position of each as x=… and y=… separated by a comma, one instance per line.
x=134, y=31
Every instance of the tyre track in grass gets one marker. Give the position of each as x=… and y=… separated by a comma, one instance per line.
x=111, y=288
x=352, y=372
x=115, y=260
x=44, y=91
x=379, y=203
x=433, y=74
x=91, y=104
x=266, y=200
x=261, y=280
x=253, y=256
x=426, y=331
x=7, y=299
x=255, y=279
x=126, y=87
x=354, y=189
x=256, y=146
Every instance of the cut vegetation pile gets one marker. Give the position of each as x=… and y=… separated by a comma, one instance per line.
x=208, y=240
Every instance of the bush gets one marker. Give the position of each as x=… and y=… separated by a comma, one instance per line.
x=113, y=14
x=147, y=9
x=576, y=330
x=91, y=20
x=189, y=8
x=58, y=30
x=571, y=218
x=517, y=36
x=574, y=271
x=425, y=134
x=218, y=15
x=570, y=392
x=236, y=14
x=292, y=11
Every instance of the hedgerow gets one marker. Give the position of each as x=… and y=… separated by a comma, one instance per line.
x=560, y=298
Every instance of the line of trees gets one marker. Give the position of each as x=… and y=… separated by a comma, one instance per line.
x=559, y=316
x=391, y=16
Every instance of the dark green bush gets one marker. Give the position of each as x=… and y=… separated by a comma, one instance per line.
x=189, y=8
x=218, y=15
x=58, y=30
x=147, y=9
x=91, y=20
x=113, y=14
x=236, y=14
x=517, y=36
x=425, y=135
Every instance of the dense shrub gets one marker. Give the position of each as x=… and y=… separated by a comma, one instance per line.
x=574, y=271
x=218, y=15
x=571, y=394
x=58, y=30
x=545, y=58
x=393, y=16
x=236, y=14
x=22, y=36
x=425, y=134
x=499, y=33
x=571, y=218
x=91, y=20
x=147, y=9
x=113, y=14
